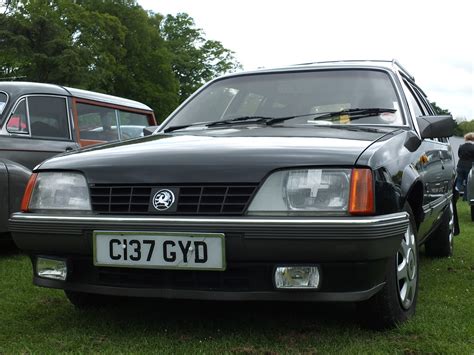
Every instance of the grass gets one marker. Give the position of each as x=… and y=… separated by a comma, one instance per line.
x=38, y=320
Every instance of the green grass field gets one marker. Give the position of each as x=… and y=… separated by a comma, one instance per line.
x=38, y=320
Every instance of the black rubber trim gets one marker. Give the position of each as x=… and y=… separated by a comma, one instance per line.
x=283, y=295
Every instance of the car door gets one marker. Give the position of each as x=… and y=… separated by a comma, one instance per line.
x=432, y=168
x=37, y=128
x=442, y=187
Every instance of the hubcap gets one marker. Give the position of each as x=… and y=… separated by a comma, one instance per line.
x=407, y=261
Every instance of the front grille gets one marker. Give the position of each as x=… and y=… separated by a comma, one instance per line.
x=248, y=278
x=191, y=199
x=237, y=277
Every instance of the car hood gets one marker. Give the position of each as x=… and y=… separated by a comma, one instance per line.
x=219, y=155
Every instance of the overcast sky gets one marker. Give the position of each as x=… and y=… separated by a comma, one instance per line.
x=433, y=40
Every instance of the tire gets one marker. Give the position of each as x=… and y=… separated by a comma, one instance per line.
x=472, y=213
x=84, y=300
x=440, y=243
x=396, y=302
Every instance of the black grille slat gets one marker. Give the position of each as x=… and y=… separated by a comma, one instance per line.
x=192, y=199
x=238, y=278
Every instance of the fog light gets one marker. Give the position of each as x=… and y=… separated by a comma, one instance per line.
x=55, y=269
x=297, y=277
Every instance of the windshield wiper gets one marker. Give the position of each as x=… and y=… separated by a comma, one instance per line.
x=356, y=113
x=253, y=119
x=257, y=119
x=175, y=128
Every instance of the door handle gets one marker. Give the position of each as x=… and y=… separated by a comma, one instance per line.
x=69, y=149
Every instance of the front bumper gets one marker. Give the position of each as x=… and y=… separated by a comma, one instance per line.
x=352, y=253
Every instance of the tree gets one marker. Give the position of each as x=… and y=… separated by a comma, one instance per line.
x=58, y=41
x=463, y=128
x=111, y=46
x=438, y=110
x=145, y=71
x=195, y=60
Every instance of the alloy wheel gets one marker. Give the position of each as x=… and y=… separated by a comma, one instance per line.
x=407, y=268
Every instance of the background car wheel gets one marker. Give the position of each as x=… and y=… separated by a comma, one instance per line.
x=472, y=213
x=441, y=243
x=87, y=300
x=396, y=302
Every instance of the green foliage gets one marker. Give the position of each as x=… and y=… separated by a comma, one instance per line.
x=195, y=59
x=111, y=46
x=464, y=127
x=438, y=110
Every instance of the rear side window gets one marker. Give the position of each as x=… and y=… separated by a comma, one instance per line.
x=3, y=101
x=97, y=123
x=132, y=124
x=109, y=124
x=48, y=117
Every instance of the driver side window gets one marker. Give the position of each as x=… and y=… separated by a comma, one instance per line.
x=413, y=102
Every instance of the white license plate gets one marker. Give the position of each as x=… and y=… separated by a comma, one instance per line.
x=159, y=250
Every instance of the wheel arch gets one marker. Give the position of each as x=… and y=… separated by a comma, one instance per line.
x=4, y=197
x=412, y=193
x=14, y=178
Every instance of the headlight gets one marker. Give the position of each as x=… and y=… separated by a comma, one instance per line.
x=315, y=192
x=57, y=191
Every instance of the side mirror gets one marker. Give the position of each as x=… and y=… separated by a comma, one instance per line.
x=148, y=131
x=436, y=126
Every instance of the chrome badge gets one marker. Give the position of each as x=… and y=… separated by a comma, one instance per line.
x=163, y=200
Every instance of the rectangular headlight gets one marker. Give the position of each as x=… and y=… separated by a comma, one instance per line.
x=60, y=191
x=303, y=191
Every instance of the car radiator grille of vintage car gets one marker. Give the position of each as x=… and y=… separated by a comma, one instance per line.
x=191, y=200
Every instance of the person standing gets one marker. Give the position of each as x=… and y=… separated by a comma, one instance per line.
x=466, y=158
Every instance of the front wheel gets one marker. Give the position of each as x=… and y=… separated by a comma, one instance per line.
x=396, y=302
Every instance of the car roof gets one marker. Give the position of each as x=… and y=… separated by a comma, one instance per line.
x=115, y=100
x=20, y=88
x=392, y=65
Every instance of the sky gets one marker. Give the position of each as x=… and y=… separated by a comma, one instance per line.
x=433, y=40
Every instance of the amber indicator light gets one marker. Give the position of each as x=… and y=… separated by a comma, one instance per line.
x=361, y=197
x=29, y=190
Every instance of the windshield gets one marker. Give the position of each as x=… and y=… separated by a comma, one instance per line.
x=295, y=93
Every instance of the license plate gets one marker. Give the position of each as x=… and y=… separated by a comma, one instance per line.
x=159, y=250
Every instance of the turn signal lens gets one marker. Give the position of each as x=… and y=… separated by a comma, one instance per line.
x=28, y=191
x=361, y=198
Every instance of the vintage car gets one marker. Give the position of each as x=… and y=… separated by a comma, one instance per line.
x=315, y=182
x=38, y=121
